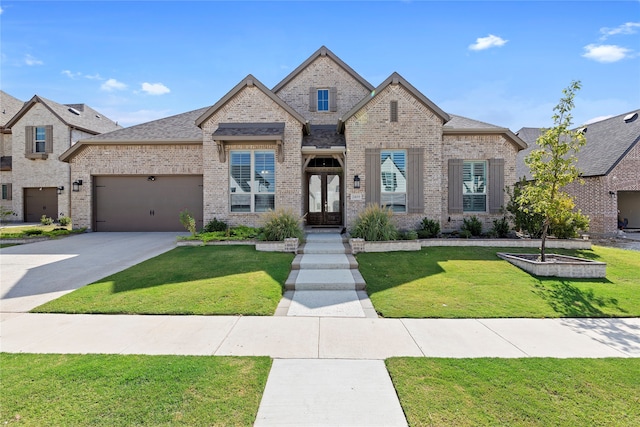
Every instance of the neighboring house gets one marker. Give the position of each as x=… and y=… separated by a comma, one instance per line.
x=39, y=184
x=9, y=107
x=323, y=143
x=610, y=168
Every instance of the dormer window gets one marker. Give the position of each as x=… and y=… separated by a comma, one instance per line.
x=323, y=99
x=40, y=140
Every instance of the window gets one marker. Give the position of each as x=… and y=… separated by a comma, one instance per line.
x=323, y=99
x=252, y=181
x=474, y=186
x=6, y=191
x=393, y=176
x=40, y=140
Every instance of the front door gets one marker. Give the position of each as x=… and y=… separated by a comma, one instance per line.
x=325, y=206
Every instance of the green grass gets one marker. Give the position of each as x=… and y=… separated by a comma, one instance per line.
x=29, y=231
x=116, y=390
x=518, y=392
x=472, y=282
x=187, y=280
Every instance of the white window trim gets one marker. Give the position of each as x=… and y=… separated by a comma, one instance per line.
x=484, y=193
x=252, y=193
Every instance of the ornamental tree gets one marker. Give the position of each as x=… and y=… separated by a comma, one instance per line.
x=553, y=167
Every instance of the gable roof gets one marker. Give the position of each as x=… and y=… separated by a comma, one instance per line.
x=10, y=107
x=79, y=116
x=459, y=125
x=608, y=142
x=323, y=51
x=396, y=78
x=248, y=82
x=180, y=128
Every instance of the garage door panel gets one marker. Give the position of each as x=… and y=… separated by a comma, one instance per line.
x=141, y=203
x=40, y=201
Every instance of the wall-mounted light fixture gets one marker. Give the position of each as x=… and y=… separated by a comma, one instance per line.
x=356, y=181
x=60, y=189
x=612, y=194
x=76, y=185
x=151, y=178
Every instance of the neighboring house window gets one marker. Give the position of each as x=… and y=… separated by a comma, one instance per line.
x=393, y=175
x=40, y=140
x=323, y=99
x=474, y=186
x=252, y=181
x=6, y=191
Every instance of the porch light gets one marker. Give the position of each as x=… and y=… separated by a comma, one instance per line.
x=60, y=189
x=76, y=185
x=356, y=181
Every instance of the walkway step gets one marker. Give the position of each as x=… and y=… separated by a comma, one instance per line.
x=324, y=262
x=326, y=304
x=315, y=280
x=324, y=238
x=324, y=248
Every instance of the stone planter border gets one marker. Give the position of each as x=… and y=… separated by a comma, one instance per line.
x=557, y=265
x=360, y=245
x=289, y=245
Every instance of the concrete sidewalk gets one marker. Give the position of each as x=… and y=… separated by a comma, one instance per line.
x=319, y=337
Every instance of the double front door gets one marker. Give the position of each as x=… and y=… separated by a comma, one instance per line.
x=325, y=206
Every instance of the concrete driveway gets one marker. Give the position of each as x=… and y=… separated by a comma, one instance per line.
x=34, y=273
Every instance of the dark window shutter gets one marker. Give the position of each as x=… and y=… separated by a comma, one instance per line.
x=394, y=111
x=455, y=185
x=28, y=140
x=415, y=183
x=333, y=99
x=313, y=99
x=9, y=191
x=48, y=139
x=372, y=176
x=496, y=185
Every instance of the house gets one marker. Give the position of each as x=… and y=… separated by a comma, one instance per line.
x=609, y=164
x=9, y=107
x=323, y=142
x=38, y=131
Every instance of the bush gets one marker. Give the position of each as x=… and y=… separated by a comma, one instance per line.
x=64, y=221
x=501, y=227
x=472, y=225
x=569, y=225
x=525, y=220
x=281, y=224
x=375, y=224
x=215, y=225
x=429, y=228
x=188, y=221
x=407, y=235
x=33, y=232
x=465, y=234
x=45, y=220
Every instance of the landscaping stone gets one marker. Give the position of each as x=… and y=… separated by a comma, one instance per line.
x=557, y=265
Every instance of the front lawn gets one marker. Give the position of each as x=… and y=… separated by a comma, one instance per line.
x=472, y=282
x=187, y=280
x=116, y=390
x=518, y=392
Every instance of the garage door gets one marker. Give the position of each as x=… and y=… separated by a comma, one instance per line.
x=145, y=203
x=40, y=201
x=629, y=206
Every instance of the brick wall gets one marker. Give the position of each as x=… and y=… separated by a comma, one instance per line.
x=323, y=73
x=151, y=159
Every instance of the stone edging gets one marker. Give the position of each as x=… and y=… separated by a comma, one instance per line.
x=288, y=245
x=558, y=266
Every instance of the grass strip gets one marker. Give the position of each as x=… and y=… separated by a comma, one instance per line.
x=518, y=392
x=116, y=390
x=206, y=280
x=472, y=282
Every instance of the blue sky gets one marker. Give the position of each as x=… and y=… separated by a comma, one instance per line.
x=502, y=62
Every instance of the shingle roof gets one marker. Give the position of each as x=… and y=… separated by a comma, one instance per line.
x=243, y=130
x=180, y=127
x=10, y=107
x=608, y=141
x=79, y=116
x=324, y=136
x=459, y=122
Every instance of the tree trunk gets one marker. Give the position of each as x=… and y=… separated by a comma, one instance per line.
x=543, y=245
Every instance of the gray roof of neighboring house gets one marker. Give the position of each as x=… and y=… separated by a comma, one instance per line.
x=459, y=122
x=10, y=107
x=324, y=136
x=79, y=116
x=459, y=125
x=323, y=51
x=608, y=141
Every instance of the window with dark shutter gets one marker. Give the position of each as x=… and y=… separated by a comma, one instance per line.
x=415, y=182
x=28, y=139
x=6, y=191
x=372, y=176
x=333, y=99
x=496, y=185
x=313, y=99
x=394, y=111
x=455, y=185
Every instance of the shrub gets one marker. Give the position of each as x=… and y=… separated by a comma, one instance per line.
x=5, y=213
x=407, y=235
x=215, y=225
x=375, y=224
x=281, y=224
x=64, y=221
x=500, y=227
x=465, y=234
x=568, y=225
x=33, y=232
x=188, y=221
x=429, y=228
x=523, y=217
x=45, y=220
x=472, y=225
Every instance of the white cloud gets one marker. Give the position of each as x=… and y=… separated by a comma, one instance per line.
x=70, y=74
x=606, y=52
x=30, y=60
x=490, y=41
x=112, y=84
x=1, y=10
x=93, y=77
x=625, y=29
x=155, y=88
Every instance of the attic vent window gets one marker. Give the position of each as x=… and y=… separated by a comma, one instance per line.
x=98, y=117
x=74, y=111
x=630, y=117
x=394, y=111
x=582, y=130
